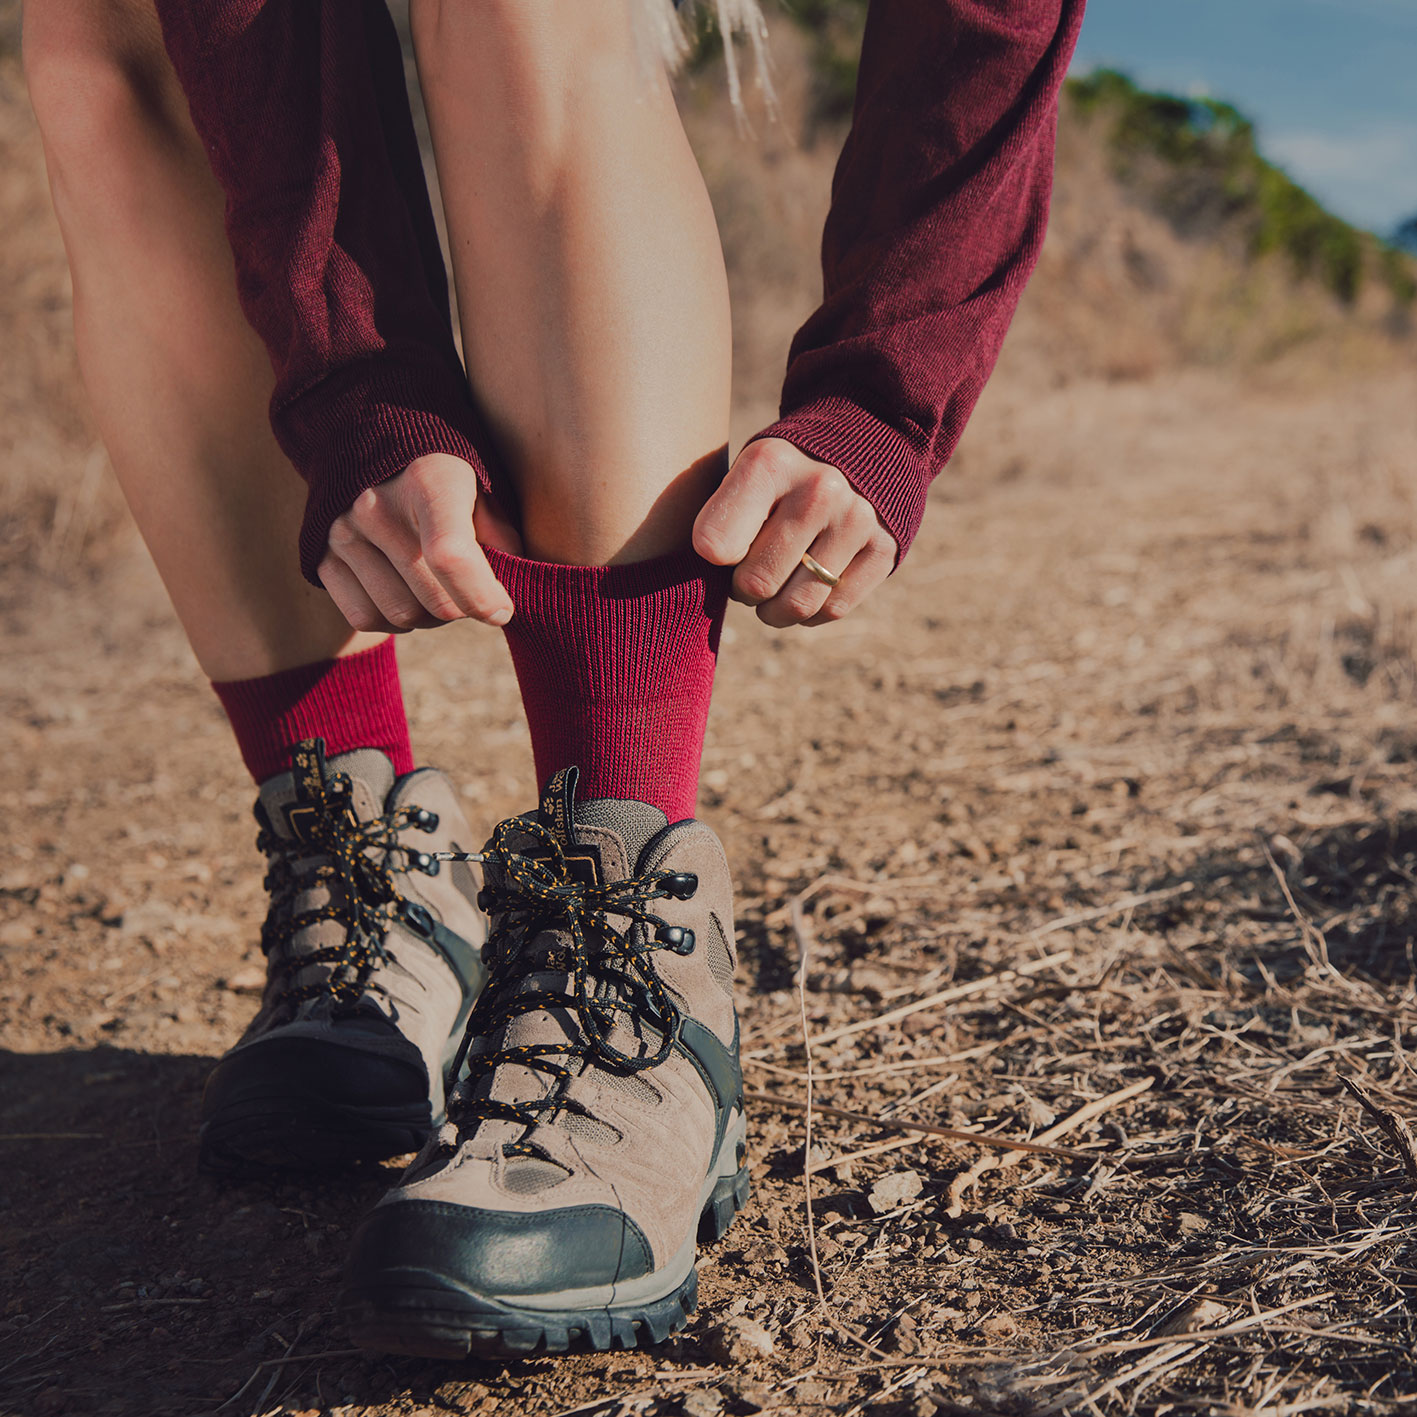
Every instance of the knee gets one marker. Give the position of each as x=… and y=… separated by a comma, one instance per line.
x=100, y=86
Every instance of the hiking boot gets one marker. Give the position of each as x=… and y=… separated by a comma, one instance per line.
x=372, y=963
x=597, y=1127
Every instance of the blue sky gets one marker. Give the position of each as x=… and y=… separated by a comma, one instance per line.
x=1331, y=84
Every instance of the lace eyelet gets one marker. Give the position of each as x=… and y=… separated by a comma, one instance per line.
x=416, y=916
x=675, y=938
x=681, y=885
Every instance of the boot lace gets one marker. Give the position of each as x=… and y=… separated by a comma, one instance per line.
x=533, y=894
x=356, y=861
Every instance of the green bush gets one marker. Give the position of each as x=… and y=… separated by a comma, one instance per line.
x=1206, y=142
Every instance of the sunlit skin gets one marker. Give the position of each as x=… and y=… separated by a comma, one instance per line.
x=595, y=322
x=178, y=383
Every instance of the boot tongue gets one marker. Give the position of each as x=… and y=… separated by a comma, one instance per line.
x=602, y=840
x=631, y=825
x=284, y=797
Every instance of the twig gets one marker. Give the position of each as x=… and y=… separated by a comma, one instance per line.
x=948, y=1133
x=946, y=996
x=128, y=1304
x=895, y=1144
x=51, y=1136
x=1314, y=938
x=1398, y=1132
x=1084, y=1114
x=804, y=942
x=807, y=1143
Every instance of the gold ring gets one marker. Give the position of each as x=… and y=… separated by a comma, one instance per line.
x=816, y=568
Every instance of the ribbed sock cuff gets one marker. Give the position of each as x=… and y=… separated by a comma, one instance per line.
x=352, y=702
x=616, y=669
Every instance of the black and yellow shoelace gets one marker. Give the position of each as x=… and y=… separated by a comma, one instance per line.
x=532, y=890
x=356, y=870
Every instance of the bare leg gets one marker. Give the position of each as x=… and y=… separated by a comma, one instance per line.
x=590, y=279
x=178, y=382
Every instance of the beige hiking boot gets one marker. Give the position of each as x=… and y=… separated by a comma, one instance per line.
x=597, y=1130
x=373, y=962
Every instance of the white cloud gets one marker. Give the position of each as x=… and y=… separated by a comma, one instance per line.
x=1370, y=174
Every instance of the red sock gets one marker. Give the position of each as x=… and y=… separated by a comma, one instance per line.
x=616, y=669
x=351, y=702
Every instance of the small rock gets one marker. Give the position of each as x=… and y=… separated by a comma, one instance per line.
x=1040, y=1113
x=701, y=1402
x=244, y=981
x=1188, y=1223
x=754, y=1396
x=893, y=1191
x=739, y=1340
x=1005, y=1231
x=765, y=1252
x=812, y=1391
x=1204, y=1313
x=999, y=1324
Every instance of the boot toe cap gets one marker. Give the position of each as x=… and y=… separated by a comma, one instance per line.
x=441, y=1248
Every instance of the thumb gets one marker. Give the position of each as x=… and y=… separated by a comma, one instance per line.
x=493, y=527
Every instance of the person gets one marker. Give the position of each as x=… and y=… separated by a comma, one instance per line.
x=566, y=479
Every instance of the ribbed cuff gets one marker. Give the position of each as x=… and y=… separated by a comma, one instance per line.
x=352, y=702
x=366, y=424
x=879, y=461
x=616, y=667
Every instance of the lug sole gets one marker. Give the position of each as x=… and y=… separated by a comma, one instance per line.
x=428, y=1321
x=307, y=1134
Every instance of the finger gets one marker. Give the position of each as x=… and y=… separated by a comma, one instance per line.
x=803, y=594
x=795, y=523
x=873, y=564
x=386, y=518
x=729, y=521
x=350, y=598
x=451, y=555
x=495, y=528
x=393, y=597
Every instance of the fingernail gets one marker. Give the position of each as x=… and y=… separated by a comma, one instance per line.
x=500, y=617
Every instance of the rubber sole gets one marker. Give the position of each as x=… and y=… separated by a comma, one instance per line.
x=429, y=1322
x=288, y=1133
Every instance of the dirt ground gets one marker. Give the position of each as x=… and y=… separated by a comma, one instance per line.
x=1120, y=770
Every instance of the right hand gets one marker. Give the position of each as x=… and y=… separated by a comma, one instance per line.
x=408, y=554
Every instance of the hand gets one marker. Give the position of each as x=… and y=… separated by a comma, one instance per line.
x=406, y=555
x=776, y=503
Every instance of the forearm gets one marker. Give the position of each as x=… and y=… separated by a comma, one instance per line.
x=939, y=208
x=304, y=117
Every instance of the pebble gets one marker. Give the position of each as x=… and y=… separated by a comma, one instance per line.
x=739, y=1340
x=893, y=1191
x=1204, y=1313
x=701, y=1402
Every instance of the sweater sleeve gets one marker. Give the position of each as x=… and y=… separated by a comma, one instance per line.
x=304, y=113
x=939, y=207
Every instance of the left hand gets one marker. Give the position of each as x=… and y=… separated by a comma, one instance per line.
x=776, y=503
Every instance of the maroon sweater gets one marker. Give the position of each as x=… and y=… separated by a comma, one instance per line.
x=938, y=212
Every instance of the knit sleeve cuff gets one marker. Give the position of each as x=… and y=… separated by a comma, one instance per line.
x=364, y=425
x=885, y=466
